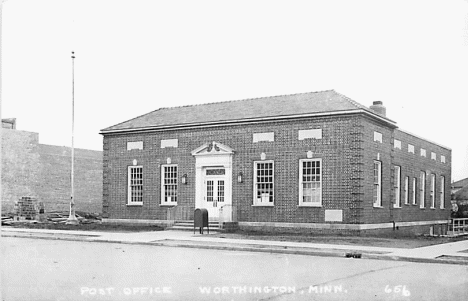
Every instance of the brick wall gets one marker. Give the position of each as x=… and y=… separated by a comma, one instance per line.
x=411, y=165
x=43, y=172
x=347, y=150
x=339, y=150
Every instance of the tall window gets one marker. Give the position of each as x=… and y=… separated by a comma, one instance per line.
x=263, y=183
x=135, y=185
x=169, y=184
x=406, y=190
x=310, y=182
x=433, y=184
x=413, y=192
x=422, y=189
x=396, y=185
x=442, y=192
x=377, y=184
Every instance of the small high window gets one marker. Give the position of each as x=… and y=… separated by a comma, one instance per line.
x=378, y=137
x=423, y=152
x=410, y=148
x=397, y=144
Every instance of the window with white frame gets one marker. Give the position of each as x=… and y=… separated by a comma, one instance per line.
x=413, y=193
x=397, y=144
x=378, y=137
x=422, y=189
x=377, y=190
x=169, y=184
x=410, y=148
x=433, y=156
x=406, y=190
x=433, y=185
x=442, y=192
x=263, y=183
x=310, y=182
x=396, y=186
x=135, y=185
x=442, y=159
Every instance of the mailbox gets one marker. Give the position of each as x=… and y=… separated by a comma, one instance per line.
x=200, y=219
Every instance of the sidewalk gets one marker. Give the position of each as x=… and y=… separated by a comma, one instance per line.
x=453, y=253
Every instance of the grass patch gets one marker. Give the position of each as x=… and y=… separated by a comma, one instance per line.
x=89, y=227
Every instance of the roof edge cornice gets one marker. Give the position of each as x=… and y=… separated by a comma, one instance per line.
x=248, y=121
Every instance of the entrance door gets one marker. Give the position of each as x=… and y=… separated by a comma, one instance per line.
x=214, y=197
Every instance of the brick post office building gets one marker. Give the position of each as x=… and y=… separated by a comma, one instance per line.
x=318, y=162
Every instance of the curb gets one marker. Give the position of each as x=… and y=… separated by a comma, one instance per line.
x=231, y=247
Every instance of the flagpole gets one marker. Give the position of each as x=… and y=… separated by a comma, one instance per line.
x=72, y=217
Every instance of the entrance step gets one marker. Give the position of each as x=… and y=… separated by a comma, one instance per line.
x=188, y=226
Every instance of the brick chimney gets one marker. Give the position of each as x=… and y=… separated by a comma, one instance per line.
x=9, y=123
x=378, y=107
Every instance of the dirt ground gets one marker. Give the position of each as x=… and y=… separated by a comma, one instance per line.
x=385, y=242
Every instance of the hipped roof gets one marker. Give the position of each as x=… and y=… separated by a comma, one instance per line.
x=256, y=109
x=461, y=194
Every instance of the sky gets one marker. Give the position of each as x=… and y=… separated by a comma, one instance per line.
x=133, y=57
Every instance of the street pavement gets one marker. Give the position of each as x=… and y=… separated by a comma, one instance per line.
x=455, y=252
x=53, y=269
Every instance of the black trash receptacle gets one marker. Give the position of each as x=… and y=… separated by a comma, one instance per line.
x=200, y=219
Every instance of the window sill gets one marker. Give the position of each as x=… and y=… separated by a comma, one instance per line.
x=396, y=207
x=168, y=204
x=433, y=208
x=135, y=205
x=378, y=206
x=263, y=205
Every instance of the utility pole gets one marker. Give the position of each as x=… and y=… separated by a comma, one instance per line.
x=72, y=220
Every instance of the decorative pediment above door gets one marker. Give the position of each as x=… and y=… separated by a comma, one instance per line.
x=212, y=148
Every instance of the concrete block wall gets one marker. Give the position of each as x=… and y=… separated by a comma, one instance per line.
x=338, y=148
x=31, y=169
x=55, y=180
x=20, y=167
